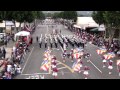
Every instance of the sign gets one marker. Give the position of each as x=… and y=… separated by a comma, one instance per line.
x=8, y=27
x=9, y=23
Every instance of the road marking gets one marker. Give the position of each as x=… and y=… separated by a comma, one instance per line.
x=61, y=68
x=58, y=63
x=95, y=66
x=66, y=66
x=27, y=60
x=36, y=74
x=62, y=72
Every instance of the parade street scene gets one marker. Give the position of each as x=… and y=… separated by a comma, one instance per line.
x=69, y=46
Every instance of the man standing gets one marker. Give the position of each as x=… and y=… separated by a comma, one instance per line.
x=5, y=42
x=37, y=38
x=4, y=52
x=56, y=42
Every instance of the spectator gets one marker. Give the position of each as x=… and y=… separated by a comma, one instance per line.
x=4, y=52
x=5, y=43
x=37, y=38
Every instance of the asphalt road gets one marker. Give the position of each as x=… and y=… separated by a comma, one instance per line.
x=31, y=66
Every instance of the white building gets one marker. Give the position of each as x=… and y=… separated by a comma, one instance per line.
x=9, y=25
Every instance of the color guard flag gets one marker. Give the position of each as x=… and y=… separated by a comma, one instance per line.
x=107, y=56
x=76, y=66
x=45, y=65
x=99, y=52
x=103, y=50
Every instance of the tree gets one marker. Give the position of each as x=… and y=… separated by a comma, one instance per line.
x=70, y=15
x=98, y=16
x=110, y=19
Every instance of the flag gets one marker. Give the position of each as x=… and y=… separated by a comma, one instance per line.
x=107, y=56
x=99, y=51
x=76, y=66
x=46, y=54
x=103, y=50
x=45, y=65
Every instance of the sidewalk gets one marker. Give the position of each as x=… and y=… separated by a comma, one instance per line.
x=8, y=48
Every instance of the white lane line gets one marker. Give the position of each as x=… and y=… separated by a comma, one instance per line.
x=61, y=68
x=95, y=66
x=36, y=74
x=27, y=60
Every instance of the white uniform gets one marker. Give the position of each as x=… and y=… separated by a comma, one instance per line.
x=9, y=68
x=104, y=61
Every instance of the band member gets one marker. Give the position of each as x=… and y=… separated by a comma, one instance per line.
x=86, y=73
x=87, y=56
x=64, y=55
x=56, y=44
x=40, y=42
x=64, y=46
x=81, y=63
x=45, y=43
x=51, y=42
x=110, y=66
x=104, y=62
x=54, y=68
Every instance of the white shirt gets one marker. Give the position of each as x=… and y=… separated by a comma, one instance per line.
x=9, y=68
x=18, y=70
x=14, y=48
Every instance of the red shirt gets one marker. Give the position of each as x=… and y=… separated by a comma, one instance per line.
x=86, y=68
x=17, y=44
x=55, y=69
x=25, y=39
x=110, y=63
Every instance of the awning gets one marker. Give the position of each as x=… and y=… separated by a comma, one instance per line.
x=97, y=29
x=94, y=29
x=77, y=26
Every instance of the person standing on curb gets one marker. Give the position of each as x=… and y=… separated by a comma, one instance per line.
x=4, y=52
x=37, y=39
x=5, y=42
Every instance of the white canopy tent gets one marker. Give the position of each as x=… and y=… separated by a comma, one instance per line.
x=86, y=22
x=76, y=26
x=22, y=33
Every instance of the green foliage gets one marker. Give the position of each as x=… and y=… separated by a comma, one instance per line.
x=111, y=19
x=21, y=16
x=66, y=15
